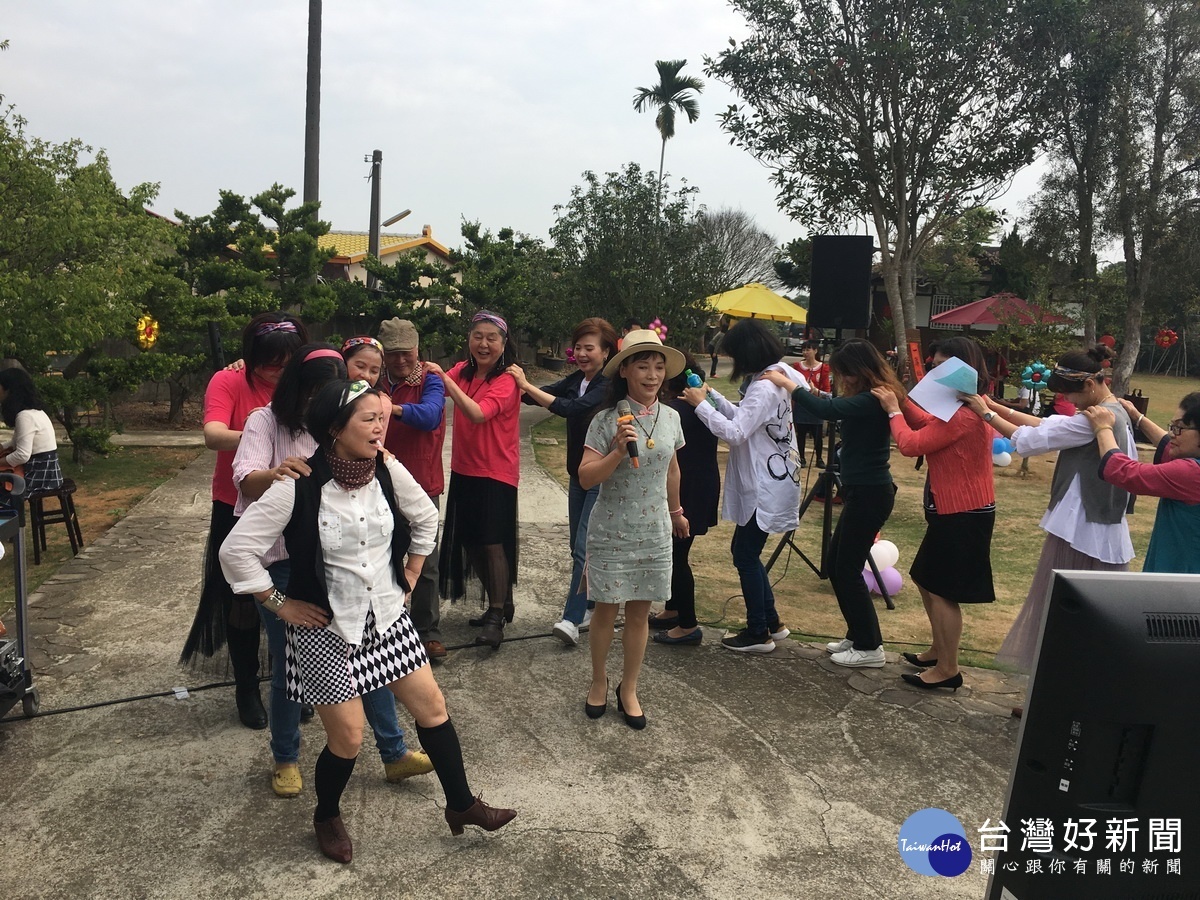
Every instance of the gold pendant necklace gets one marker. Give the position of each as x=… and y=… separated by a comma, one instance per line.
x=649, y=434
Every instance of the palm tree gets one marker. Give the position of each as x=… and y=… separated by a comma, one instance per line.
x=672, y=93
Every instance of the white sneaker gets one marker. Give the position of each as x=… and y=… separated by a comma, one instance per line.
x=587, y=621
x=567, y=632
x=780, y=632
x=860, y=659
x=839, y=646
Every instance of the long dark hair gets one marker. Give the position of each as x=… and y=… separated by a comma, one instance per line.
x=964, y=348
x=618, y=387
x=862, y=361
x=752, y=348
x=507, y=357
x=327, y=416
x=21, y=395
x=265, y=345
x=300, y=380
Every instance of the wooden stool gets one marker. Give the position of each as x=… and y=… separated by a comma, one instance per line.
x=39, y=518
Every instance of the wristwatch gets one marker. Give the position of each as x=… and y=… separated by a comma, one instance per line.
x=276, y=600
x=988, y=416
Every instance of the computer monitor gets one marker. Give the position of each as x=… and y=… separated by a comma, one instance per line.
x=1109, y=741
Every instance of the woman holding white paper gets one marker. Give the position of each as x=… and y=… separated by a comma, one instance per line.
x=953, y=565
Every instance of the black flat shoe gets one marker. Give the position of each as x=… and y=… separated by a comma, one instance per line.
x=918, y=662
x=954, y=682
x=695, y=636
x=663, y=623
x=637, y=723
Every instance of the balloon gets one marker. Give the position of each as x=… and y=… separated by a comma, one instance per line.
x=1034, y=375
x=1108, y=341
x=869, y=578
x=886, y=554
x=892, y=580
x=1001, y=459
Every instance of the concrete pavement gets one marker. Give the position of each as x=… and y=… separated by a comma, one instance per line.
x=774, y=776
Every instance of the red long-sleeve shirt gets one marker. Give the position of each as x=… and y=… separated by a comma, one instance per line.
x=959, y=453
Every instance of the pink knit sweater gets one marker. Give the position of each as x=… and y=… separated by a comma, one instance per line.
x=959, y=453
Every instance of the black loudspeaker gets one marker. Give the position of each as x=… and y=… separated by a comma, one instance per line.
x=840, y=287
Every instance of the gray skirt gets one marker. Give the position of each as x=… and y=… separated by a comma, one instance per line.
x=1018, y=648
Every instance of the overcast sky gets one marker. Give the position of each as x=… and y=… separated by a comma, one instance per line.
x=483, y=110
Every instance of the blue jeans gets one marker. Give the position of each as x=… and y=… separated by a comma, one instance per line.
x=379, y=705
x=579, y=511
x=746, y=547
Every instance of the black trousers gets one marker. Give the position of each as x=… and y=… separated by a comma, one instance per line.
x=865, y=508
x=683, y=583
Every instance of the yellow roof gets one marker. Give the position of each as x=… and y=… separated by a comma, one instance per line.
x=352, y=245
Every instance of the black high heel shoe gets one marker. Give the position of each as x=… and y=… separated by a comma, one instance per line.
x=509, y=611
x=954, y=682
x=594, y=710
x=917, y=661
x=637, y=723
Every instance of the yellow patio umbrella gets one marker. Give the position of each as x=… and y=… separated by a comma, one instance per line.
x=757, y=301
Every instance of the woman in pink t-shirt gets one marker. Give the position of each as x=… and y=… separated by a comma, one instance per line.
x=480, y=533
x=268, y=341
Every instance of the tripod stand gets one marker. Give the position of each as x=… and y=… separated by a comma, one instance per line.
x=828, y=480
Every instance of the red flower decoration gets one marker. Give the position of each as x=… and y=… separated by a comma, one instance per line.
x=1166, y=338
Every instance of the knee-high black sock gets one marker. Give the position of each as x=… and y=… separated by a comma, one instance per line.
x=243, y=654
x=441, y=743
x=333, y=772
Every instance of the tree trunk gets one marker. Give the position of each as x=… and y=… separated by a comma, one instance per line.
x=1086, y=265
x=662, y=155
x=179, y=395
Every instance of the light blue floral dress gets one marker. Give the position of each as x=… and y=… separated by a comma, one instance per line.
x=629, y=534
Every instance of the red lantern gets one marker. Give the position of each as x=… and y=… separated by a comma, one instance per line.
x=1109, y=341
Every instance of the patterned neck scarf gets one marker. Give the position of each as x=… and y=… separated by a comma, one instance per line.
x=351, y=473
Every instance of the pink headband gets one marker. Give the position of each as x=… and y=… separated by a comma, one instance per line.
x=493, y=318
x=322, y=353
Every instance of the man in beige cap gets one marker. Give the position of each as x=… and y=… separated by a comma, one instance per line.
x=415, y=437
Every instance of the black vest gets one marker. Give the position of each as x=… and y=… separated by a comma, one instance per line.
x=303, y=542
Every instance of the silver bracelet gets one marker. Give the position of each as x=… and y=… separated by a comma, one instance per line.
x=275, y=601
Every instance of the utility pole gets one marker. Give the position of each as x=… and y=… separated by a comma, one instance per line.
x=312, y=109
x=376, y=161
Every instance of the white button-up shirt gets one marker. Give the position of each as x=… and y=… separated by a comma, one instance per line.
x=355, y=528
x=761, y=473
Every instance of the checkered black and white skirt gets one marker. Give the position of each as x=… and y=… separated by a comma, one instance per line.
x=323, y=669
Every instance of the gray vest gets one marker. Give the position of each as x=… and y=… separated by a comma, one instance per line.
x=1102, y=502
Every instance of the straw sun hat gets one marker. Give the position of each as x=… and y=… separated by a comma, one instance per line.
x=639, y=341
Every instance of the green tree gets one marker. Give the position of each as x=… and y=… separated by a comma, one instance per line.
x=622, y=257
x=907, y=111
x=1157, y=173
x=416, y=289
x=673, y=93
x=1098, y=38
x=957, y=261
x=793, y=268
x=519, y=277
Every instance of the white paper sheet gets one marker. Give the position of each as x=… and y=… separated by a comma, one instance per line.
x=937, y=393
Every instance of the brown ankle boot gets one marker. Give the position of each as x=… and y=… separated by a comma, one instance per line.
x=492, y=632
x=489, y=818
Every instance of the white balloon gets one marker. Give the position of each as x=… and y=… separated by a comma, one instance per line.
x=885, y=553
x=1001, y=459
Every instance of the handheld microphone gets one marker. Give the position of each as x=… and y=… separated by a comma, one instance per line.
x=625, y=414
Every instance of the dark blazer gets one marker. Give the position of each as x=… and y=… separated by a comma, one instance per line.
x=577, y=410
